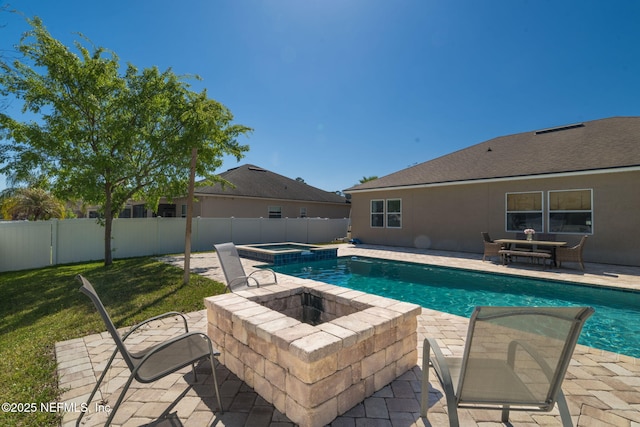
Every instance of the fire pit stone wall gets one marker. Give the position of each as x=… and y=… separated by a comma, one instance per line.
x=311, y=349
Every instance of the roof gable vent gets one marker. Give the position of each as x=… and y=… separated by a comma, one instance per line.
x=559, y=128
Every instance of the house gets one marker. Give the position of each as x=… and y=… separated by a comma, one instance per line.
x=567, y=181
x=256, y=193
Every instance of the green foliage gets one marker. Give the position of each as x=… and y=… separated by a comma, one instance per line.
x=103, y=137
x=42, y=307
x=368, y=178
x=31, y=204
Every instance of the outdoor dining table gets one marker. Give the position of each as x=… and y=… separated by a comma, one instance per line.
x=551, y=244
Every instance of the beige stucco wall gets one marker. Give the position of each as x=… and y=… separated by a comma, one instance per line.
x=452, y=217
x=244, y=207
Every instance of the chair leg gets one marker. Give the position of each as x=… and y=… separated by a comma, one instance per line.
x=112, y=413
x=95, y=389
x=195, y=375
x=505, y=414
x=215, y=383
x=445, y=380
x=565, y=416
x=424, y=401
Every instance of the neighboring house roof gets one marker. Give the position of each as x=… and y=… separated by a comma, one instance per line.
x=590, y=146
x=256, y=182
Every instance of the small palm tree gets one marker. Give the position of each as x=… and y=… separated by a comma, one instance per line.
x=33, y=204
x=368, y=178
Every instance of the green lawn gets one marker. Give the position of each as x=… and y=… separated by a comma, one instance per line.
x=40, y=307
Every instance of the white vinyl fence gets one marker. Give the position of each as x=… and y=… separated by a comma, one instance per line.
x=25, y=245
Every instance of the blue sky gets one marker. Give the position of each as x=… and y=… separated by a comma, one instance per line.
x=341, y=89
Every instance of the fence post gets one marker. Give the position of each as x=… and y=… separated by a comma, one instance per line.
x=53, y=256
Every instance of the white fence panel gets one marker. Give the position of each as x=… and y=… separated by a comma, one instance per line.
x=133, y=237
x=297, y=230
x=322, y=230
x=171, y=232
x=209, y=232
x=245, y=230
x=24, y=245
x=77, y=240
x=273, y=230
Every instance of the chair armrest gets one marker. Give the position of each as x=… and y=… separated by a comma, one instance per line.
x=439, y=364
x=242, y=279
x=158, y=317
x=275, y=278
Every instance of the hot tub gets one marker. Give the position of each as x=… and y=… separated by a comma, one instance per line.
x=313, y=350
x=287, y=252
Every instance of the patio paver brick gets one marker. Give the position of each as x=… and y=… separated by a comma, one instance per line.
x=601, y=387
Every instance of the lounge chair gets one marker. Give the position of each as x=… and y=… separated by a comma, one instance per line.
x=573, y=254
x=490, y=247
x=234, y=273
x=157, y=361
x=515, y=358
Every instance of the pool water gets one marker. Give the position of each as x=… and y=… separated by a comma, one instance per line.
x=614, y=326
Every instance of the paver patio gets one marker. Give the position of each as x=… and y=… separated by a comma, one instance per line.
x=602, y=388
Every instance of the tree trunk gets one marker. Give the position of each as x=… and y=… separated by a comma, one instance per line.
x=187, y=239
x=108, y=223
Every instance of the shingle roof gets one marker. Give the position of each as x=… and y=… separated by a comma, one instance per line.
x=254, y=181
x=594, y=145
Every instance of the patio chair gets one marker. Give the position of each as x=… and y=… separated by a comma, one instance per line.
x=157, y=361
x=234, y=273
x=573, y=254
x=515, y=358
x=491, y=248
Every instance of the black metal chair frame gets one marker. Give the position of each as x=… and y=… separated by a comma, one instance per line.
x=152, y=364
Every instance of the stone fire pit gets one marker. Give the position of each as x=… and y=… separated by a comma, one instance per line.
x=311, y=349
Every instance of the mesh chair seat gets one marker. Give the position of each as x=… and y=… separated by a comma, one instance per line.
x=515, y=358
x=170, y=356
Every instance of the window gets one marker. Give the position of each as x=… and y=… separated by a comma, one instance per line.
x=183, y=211
x=303, y=212
x=394, y=213
x=377, y=213
x=275, y=211
x=524, y=210
x=570, y=211
x=386, y=213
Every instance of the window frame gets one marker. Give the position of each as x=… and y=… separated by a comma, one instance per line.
x=274, y=212
x=525, y=212
x=377, y=213
x=389, y=214
x=384, y=214
x=565, y=211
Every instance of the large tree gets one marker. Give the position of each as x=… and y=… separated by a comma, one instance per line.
x=108, y=134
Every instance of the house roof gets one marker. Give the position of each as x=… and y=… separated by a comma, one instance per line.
x=254, y=181
x=590, y=146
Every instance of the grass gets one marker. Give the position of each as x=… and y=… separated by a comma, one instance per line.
x=40, y=307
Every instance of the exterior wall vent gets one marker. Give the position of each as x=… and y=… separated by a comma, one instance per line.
x=559, y=128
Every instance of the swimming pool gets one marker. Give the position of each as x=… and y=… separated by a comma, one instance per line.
x=613, y=327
